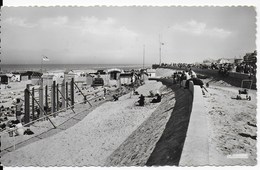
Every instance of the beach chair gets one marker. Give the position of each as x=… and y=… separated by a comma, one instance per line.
x=243, y=93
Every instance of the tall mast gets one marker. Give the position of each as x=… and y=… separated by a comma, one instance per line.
x=143, y=55
x=160, y=49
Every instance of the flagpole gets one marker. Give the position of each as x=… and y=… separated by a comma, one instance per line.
x=41, y=63
x=160, y=49
x=143, y=55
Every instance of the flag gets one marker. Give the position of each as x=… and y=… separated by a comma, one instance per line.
x=44, y=58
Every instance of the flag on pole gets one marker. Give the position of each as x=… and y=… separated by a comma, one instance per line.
x=45, y=58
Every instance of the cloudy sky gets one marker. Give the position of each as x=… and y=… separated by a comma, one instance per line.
x=116, y=35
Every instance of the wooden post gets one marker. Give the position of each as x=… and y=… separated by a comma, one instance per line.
x=46, y=99
x=27, y=104
x=72, y=92
x=58, y=100
x=53, y=98
x=67, y=95
x=33, y=104
x=41, y=98
x=63, y=94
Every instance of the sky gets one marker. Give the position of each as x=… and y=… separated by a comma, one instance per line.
x=122, y=35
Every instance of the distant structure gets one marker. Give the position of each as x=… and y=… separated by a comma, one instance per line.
x=225, y=60
x=250, y=58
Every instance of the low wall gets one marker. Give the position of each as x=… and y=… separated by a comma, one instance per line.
x=233, y=78
x=196, y=147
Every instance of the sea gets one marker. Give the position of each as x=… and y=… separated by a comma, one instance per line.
x=9, y=68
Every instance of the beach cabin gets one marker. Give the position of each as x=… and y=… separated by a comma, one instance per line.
x=151, y=72
x=97, y=82
x=47, y=79
x=4, y=79
x=113, y=75
x=35, y=81
x=89, y=79
x=127, y=78
x=24, y=76
x=80, y=77
x=34, y=75
x=9, y=76
x=16, y=77
x=68, y=76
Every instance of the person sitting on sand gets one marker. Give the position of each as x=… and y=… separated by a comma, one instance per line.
x=136, y=92
x=141, y=100
x=157, y=99
x=115, y=97
x=18, y=106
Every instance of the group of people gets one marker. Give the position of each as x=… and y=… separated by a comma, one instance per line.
x=187, y=76
x=223, y=68
x=178, y=77
x=246, y=68
x=157, y=98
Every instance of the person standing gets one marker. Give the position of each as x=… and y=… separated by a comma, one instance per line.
x=18, y=106
x=105, y=91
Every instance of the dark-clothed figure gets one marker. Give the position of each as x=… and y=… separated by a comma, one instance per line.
x=157, y=99
x=141, y=100
x=18, y=106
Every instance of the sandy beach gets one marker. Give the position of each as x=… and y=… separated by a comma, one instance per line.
x=118, y=133
x=232, y=125
x=90, y=141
